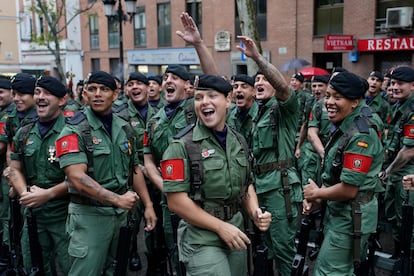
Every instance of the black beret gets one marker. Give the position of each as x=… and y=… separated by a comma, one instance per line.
x=80, y=83
x=211, y=82
x=102, y=77
x=244, y=78
x=377, y=74
x=156, y=78
x=178, y=71
x=138, y=77
x=23, y=83
x=5, y=83
x=338, y=70
x=403, y=73
x=320, y=78
x=348, y=84
x=299, y=76
x=53, y=85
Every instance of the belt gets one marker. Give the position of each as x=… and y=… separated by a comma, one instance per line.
x=224, y=212
x=78, y=199
x=277, y=165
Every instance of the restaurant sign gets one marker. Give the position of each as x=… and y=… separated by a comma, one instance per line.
x=339, y=42
x=386, y=44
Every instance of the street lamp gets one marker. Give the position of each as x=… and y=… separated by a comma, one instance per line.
x=109, y=8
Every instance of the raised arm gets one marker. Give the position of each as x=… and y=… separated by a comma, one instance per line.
x=271, y=73
x=192, y=36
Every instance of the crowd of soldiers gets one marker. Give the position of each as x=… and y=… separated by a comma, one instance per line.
x=201, y=160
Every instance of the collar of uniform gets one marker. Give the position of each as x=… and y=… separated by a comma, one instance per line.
x=346, y=123
x=200, y=132
x=406, y=103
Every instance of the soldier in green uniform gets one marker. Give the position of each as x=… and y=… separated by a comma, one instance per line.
x=273, y=136
x=375, y=100
x=138, y=112
x=6, y=107
x=310, y=153
x=171, y=119
x=155, y=94
x=399, y=148
x=353, y=158
x=35, y=175
x=241, y=118
x=97, y=152
x=211, y=239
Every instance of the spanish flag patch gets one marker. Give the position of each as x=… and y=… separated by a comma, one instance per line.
x=67, y=144
x=357, y=162
x=362, y=144
x=172, y=169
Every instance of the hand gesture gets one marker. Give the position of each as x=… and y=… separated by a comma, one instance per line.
x=190, y=34
x=250, y=48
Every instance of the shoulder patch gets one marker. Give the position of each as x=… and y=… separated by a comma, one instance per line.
x=172, y=169
x=409, y=131
x=68, y=113
x=2, y=128
x=357, y=162
x=67, y=144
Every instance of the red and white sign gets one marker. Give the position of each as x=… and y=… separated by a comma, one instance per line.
x=339, y=42
x=386, y=44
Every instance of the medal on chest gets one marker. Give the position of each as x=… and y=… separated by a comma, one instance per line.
x=52, y=154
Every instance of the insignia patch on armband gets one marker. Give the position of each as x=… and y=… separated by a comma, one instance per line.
x=357, y=162
x=68, y=113
x=409, y=131
x=172, y=169
x=67, y=144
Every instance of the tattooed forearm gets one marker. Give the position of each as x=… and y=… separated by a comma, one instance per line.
x=94, y=190
x=275, y=78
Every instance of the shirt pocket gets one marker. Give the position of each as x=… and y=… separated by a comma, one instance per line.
x=30, y=161
x=125, y=150
x=265, y=137
x=214, y=182
x=102, y=163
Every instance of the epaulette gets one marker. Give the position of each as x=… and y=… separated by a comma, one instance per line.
x=77, y=118
x=362, y=124
x=367, y=111
x=184, y=131
x=119, y=108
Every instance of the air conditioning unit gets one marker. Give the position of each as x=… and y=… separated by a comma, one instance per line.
x=399, y=18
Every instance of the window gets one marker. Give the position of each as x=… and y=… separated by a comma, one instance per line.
x=194, y=9
x=140, y=31
x=113, y=34
x=329, y=16
x=93, y=31
x=95, y=64
x=382, y=6
x=115, y=67
x=261, y=10
x=164, y=24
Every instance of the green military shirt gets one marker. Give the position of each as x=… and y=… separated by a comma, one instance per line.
x=113, y=155
x=224, y=174
x=318, y=118
x=161, y=130
x=401, y=134
x=138, y=124
x=243, y=125
x=13, y=122
x=41, y=167
x=263, y=146
x=380, y=106
x=362, y=161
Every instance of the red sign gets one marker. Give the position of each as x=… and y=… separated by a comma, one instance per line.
x=339, y=42
x=386, y=44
